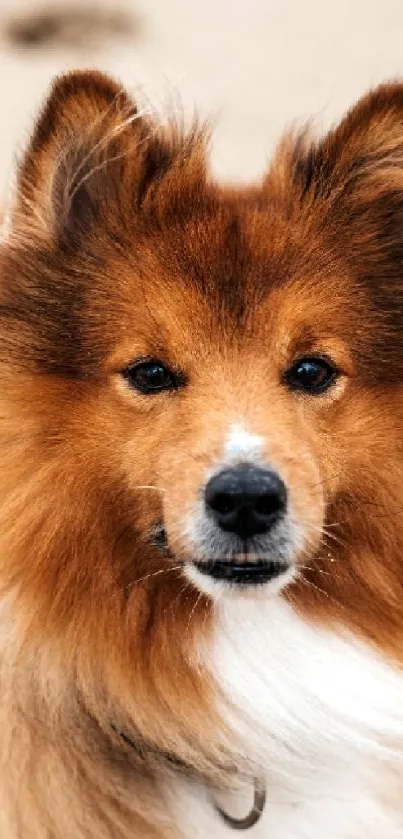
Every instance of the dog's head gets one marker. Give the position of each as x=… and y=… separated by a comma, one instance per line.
x=201, y=387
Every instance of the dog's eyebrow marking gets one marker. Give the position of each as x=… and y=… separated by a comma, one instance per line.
x=240, y=443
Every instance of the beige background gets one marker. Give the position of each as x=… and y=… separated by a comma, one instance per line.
x=255, y=65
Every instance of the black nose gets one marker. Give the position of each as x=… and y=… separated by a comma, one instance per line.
x=246, y=500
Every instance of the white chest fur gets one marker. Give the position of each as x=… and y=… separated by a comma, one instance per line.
x=319, y=715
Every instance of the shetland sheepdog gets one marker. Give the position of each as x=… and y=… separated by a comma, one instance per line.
x=201, y=495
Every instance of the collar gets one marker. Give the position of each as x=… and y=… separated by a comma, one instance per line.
x=254, y=815
x=259, y=793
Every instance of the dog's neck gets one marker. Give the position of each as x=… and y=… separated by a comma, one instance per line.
x=317, y=713
x=245, y=822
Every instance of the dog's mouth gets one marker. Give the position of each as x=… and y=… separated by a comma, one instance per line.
x=240, y=572
x=256, y=572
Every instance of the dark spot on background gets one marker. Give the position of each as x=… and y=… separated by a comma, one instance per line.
x=71, y=26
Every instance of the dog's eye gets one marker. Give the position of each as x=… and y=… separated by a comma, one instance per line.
x=311, y=375
x=151, y=377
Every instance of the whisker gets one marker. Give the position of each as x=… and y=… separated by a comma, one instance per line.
x=310, y=584
x=131, y=585
x=195, y=605
x=154, y=574
x=150, y=486
x=311, y=568
x=187, y=585
x=207, y=611
x=322, y=530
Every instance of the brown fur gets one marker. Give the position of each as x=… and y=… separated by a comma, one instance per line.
x=121, y=247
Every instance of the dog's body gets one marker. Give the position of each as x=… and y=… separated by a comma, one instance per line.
x=306, y=724
x=200, y=507
x=340, y=703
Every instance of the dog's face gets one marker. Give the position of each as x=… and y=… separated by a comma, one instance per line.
x=210, y=379
x=230, y=388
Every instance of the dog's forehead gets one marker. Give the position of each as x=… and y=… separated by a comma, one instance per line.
x=230, y=255
x=241, y=262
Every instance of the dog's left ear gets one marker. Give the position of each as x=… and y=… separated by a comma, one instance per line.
x=346, y=192
x=358, y=163
x=349, y=188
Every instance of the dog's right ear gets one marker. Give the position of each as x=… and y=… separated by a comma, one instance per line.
x=91, y=151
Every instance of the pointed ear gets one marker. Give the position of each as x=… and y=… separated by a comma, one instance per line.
x=358, y=161
x=89, y=142
x=348, y=189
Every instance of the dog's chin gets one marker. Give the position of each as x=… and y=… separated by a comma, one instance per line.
x=253, y=575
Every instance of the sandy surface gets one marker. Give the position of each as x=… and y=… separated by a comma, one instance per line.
x=255, y=65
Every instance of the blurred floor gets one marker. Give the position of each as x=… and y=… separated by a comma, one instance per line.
x=255, y=65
